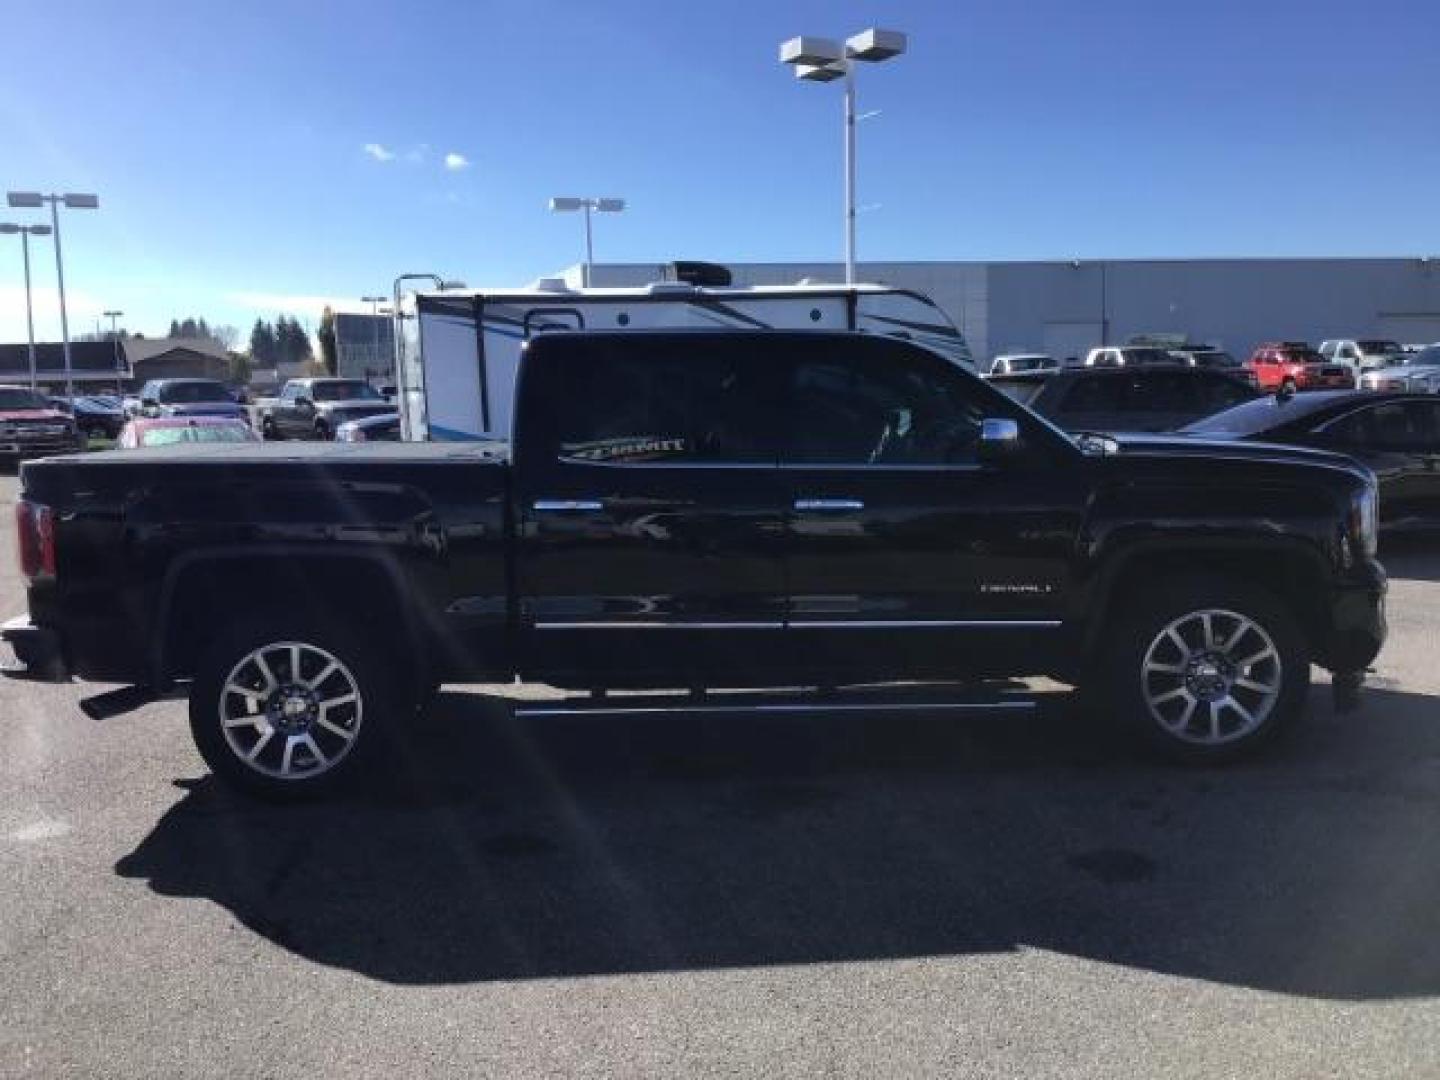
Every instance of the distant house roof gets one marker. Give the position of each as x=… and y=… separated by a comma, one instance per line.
x=89, y=358
x=138, y=349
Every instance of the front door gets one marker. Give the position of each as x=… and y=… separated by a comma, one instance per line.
x=652, y=515
x=906, y=556
x=1400, y=441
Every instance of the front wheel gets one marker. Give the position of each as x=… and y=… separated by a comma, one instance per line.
x=1207, y=670
x=290, y=711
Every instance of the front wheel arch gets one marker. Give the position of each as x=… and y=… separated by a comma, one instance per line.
x=1295, y=572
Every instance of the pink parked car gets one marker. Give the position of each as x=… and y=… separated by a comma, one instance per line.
x=174, y=430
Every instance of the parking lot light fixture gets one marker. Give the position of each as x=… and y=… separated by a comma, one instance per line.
x=570, y=203
x=9, y=228
x=823, y=60
x=72, y=201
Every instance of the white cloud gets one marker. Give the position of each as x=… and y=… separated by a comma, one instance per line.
x=416, y=154
x=81, y=308
x=378, y=152
x=268, y=304
x=455, y=162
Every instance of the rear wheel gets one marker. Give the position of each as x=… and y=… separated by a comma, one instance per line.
x=1207, y=670
x=322, y=430
x=289, y=711
x=268, y=430
x=1287, y=386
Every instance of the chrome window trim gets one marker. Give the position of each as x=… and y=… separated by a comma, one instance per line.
x=924, y=624
x=878, y=706
x=810, y=624
x=651, y=624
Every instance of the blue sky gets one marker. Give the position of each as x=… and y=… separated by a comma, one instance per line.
x=227, y=142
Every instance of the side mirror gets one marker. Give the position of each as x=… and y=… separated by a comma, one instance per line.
x=999, y=440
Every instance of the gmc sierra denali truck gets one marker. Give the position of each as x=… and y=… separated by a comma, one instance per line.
x=696, y=509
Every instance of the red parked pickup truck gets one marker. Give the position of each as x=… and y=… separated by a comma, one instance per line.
x=1294, y=365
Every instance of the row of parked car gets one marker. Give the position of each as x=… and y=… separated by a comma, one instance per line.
x=1391, y=424
x=1288, y=366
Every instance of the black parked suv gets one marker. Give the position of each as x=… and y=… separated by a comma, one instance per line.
x=702, y=509
x=1162, y=397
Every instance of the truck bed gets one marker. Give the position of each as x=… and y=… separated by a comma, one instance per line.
x=228, y=453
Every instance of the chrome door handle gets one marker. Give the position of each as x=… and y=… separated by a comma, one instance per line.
x=567, y=505
x=827, y=506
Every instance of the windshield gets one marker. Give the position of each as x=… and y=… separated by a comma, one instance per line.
x=1025, y=363
x=1302, y=356
x=1371, y=348
x=18, y=398
x=1148, y=356
x=1260, y=414
x=198, y=433
x=346, y=391
x=188, y=393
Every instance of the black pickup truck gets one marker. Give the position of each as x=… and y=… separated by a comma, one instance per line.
x=701, y=509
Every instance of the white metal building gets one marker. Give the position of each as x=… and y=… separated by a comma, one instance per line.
x=364, y=346
x=1064, y=307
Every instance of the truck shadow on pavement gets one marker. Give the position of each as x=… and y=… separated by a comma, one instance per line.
x=522, y=848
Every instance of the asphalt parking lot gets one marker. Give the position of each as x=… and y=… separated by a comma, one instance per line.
x=863, y=894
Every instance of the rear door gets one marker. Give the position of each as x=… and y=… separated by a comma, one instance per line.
x=651, y=513
x=905, y=556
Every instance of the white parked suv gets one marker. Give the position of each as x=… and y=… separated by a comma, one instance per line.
x=1362, y=354
x=1129, y=356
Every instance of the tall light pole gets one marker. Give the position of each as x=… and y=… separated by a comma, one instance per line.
x=72, y=201
x=567, y=203
x=27, y=231
x=115, y=341
x=823, y=60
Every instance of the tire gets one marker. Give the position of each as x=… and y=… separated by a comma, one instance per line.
x=275, y=756
x=322, y=430
x=267, y=430
x=1205, y=705
x=1287, y=386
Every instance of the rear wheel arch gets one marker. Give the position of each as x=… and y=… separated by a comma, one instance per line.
x=205, y=591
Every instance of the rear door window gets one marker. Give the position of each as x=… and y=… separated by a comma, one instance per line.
x=662, y=402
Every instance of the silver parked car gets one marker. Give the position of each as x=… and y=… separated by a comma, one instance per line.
x=1411, y=372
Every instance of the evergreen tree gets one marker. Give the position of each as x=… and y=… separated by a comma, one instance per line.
x=326, y=334
x=263, y=346
x=174, y=329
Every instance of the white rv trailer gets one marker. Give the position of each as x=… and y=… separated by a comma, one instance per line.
x=458, y=350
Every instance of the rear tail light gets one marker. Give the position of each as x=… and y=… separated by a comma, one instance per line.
x=35, y=524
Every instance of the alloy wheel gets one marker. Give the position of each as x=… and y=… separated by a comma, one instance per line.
x=1211, y=677
x=290, y=710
